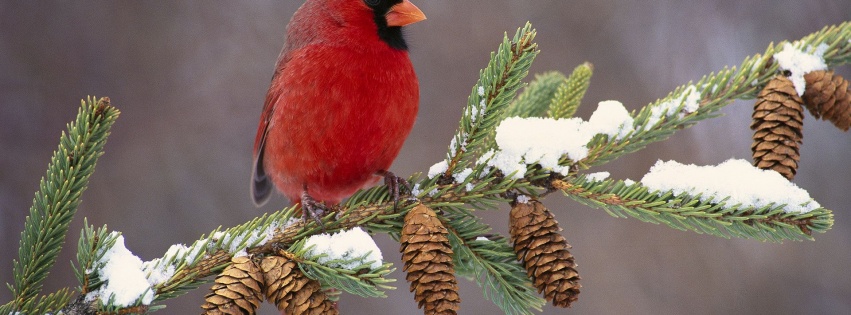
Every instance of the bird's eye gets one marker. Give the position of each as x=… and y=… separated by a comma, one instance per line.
x=372, y=2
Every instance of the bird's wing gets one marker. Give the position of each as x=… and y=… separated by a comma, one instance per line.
x=261, y=184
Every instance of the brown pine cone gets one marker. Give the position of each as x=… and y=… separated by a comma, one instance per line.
x=428, y=261
x=778, y=120
x=544, y=252
x=237, y=290
x=292, y=291
x=827, y=97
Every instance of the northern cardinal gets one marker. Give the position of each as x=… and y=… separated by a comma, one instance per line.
x=343, y=99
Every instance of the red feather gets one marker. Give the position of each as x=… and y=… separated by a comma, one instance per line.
x=341, y=103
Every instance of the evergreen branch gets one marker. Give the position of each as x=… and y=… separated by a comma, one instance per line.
x=355, y=275
x=220, y=246
x=715, y=91
x=568, y=96
x=687, y=212
x=362, y=281
x=492, y=264
x=42, y=304
x=497, y=86
x=90, y=251
x=211, y=254
x=369, y=284
x=56, y=201
x=836, y=37
x=620, y=200
x=535, y=98
x=602, y=150
x=51, y=302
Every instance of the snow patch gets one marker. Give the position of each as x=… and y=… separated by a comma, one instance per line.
x=799, y=61
x=689, y=99
x=537, y=140
x=354, y=246
x=438, y=169
x=737, y=179
x=611, y=118
x=124, y=280
x=597, y=177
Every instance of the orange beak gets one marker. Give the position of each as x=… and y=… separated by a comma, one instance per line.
x=404, y=13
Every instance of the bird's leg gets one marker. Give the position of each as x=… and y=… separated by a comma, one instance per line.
x=310, y=207
x=394, y=183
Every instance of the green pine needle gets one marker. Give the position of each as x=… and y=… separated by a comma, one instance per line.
x=362, y=280
x=568, y=96
x=212, y=253
x=688, y=213
x=48, y=303
x=492, y=264
x=486, y=107
x=56, y=201
x=90, y=250
x=717, y=90
x=369, y=284
x=535, y=98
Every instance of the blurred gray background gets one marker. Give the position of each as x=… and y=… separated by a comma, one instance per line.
x=190, y=78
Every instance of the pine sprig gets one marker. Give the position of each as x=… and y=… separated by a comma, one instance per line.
x=567, y=98
x=689, y=213
x=497, y=86
x=716, y=91
x=535, y=98
x=56, y=201
x=53, y=301
x=211, y=254
x=602, y=150
x=836, y=38
x=188, y=266
x=363, y=279
x=492, y=263
x=371, y=283
x=90, y=250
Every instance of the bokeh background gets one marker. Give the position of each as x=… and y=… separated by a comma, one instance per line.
x=190, y=78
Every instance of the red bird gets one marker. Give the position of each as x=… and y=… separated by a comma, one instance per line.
x=343, y=99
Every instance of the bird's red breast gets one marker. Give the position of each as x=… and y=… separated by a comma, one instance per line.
x=343, y=99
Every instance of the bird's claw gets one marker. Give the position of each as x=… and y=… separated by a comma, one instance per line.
x=394, y=183
x=310, y=208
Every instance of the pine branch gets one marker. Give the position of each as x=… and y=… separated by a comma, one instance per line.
x=490, y=261
x=211, y=254
x=498, y=84
x=715, y=91
x=362, y=279
x=568, y=96
x=56, y=203
x=535, y=98
x=836, y=38
x=88, y=255
x=381, y=214
x=687, y=212
x=42, y=304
